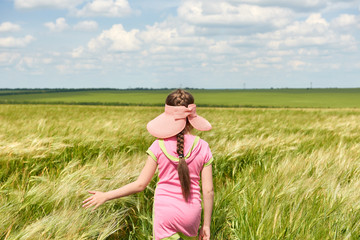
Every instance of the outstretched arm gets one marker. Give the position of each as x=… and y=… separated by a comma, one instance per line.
x=139, y=185
x=208, y=200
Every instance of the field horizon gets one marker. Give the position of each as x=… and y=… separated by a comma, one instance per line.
x=248, y=98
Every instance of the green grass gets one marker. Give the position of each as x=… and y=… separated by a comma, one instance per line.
x=278, y=173
x=299, y=98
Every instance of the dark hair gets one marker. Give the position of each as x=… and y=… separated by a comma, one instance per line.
x=182, y=98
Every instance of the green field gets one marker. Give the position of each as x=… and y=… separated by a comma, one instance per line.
x=305, y=98
x=278, y=173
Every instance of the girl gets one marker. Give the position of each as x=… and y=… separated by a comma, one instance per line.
x=181, y=159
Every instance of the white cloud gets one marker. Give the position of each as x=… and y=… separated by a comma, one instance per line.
x=171, y=33
x=160, y=34
x=30, y=65
x=314, y=24
x=340, y=6
x=8, y=58
x=116, y=39
x=299, y=5
x=9, y=27
x=260, y=62
x=297, y=64
x=175, y=44
x=303, y=5
x=221, y=13
x=9, y=42
x=47, y=60
x=222, y=47
x=26, y=63
x=63, y=68
x=77, y=52
x=86, y=26
x=60, y=4
x=86, y=66
x=345, y=21
x=33, y=63
x=314, y=31
x=181, y=46
x=107, y=8
x=70, y=67
x=59, y=25
x=308, y=52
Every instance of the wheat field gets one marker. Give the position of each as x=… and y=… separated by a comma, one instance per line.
x=278, y=173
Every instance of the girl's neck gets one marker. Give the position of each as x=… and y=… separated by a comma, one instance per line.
x=187, y=133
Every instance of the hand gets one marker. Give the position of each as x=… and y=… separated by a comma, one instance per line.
x=96, y=200
x=204, y=233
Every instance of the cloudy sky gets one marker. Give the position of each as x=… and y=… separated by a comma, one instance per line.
x=189, y=43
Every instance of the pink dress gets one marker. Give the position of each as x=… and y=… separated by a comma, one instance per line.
x=173, y=216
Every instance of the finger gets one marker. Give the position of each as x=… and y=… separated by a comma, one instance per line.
x=88, y=204
x=96, y=206
x=88, y=199
x=92, y=192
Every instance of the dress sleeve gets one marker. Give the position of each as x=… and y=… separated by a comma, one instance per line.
x=154, y=150
x=208, y=158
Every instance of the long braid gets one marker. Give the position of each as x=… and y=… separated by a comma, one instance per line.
x=183, y=169
x=182, y=98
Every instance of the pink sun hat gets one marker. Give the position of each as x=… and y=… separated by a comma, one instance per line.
x=173, y=121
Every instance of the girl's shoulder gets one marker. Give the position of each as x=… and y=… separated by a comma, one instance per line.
x=203, y=142
x=190, y=141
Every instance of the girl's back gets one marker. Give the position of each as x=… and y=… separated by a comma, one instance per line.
x=172, y=214
x=197, y=154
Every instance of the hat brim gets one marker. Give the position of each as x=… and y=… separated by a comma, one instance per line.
x=200, y=123
x=165, y=126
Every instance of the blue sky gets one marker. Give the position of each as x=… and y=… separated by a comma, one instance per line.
x=161, y=43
